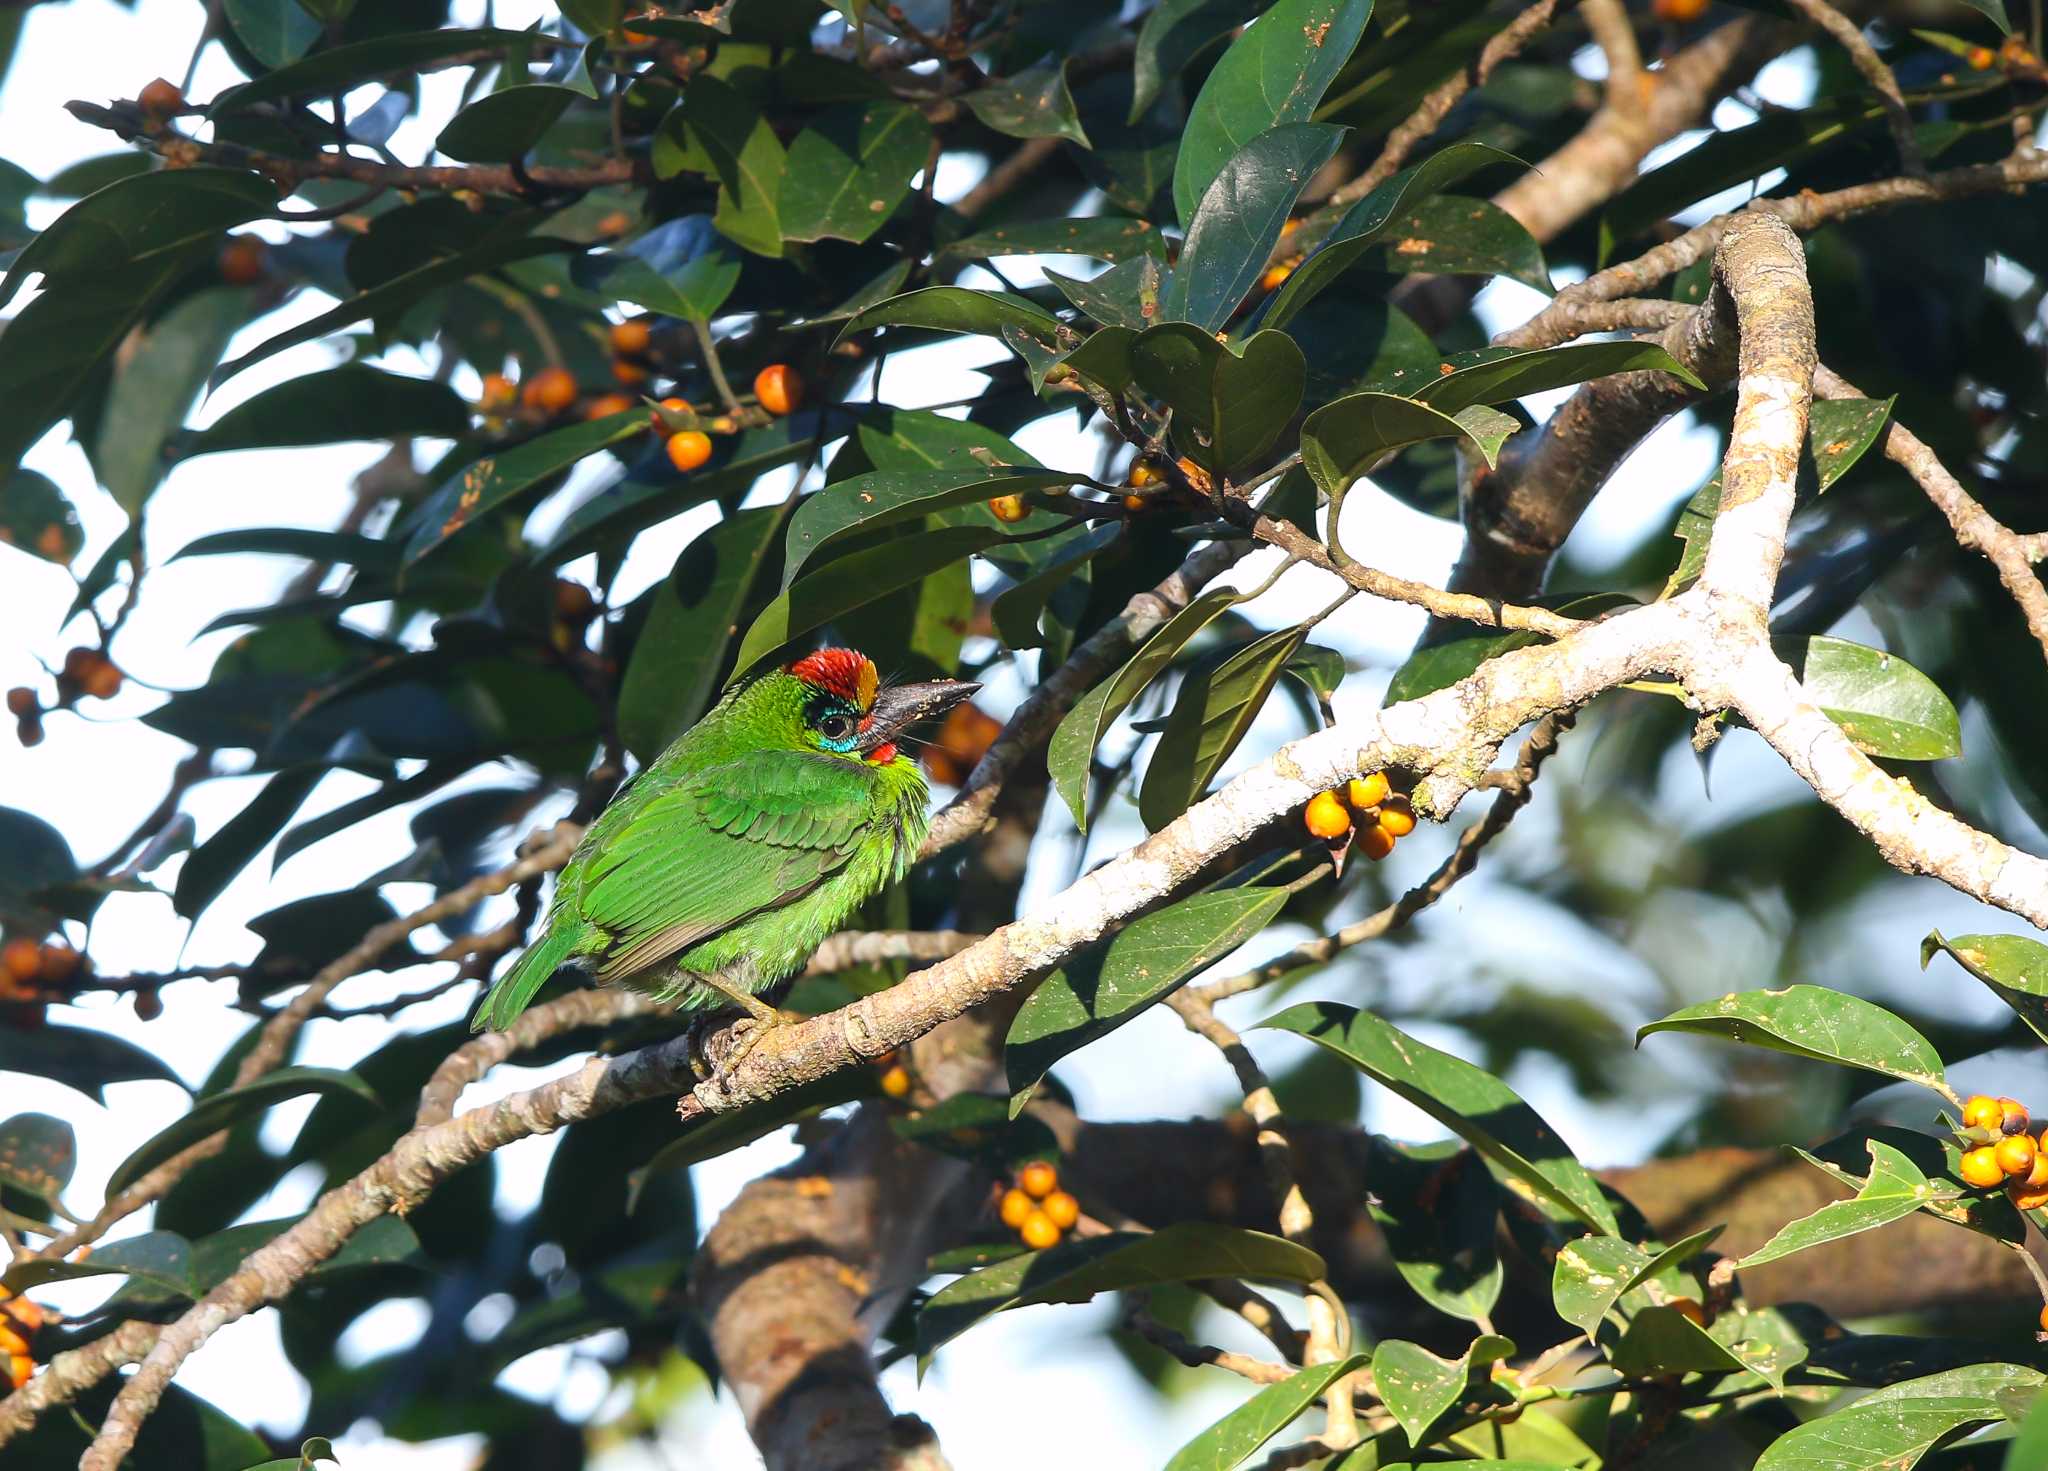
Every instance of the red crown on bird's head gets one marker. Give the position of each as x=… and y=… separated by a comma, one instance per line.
x=847, y=673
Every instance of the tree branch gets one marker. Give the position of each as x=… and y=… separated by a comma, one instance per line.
x=1870, y=66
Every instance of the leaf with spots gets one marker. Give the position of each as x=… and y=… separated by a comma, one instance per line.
x=1450, y=235
x=1818, y=1023
x=482, y=486
x=1240, y=219
x=1155, y=955
x=2014, y=967
x=35, y=518
x=1417, y=1386
x=1839, y=430
x=1516, y=1142
x=1892, y=1428
x=37, y=1155
x=1884, y=705
x=1229, y=1441
x=1032, y=104
x=850, y=168
x=1895, y=1189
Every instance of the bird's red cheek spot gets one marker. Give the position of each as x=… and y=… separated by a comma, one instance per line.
x=883, y=754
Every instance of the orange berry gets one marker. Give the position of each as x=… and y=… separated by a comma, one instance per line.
x=148, y=1005
x=499, y=392
x=161, y=97
x=29, y=732
x=689, y=449
x=102, y=681
x=1980, y=1168
x=1015, y=1207
x=1061, y=1209
x=628, y=372
x=11, y=1342
x=1689, y=1309
x=778, y=389
x=1009, y=507
x=607, y=404
x=1038, y=1179
x=29, y=1313
x=574, y=602
x=1982, y=1112
x=1293, y=224
x=722, y=424
x=2044, y=1324
x=2016, y=1153
x=244, y=260
x=77, y=661
x=1038, y=1231
x=1275, y=277
x=1397, y=818
x=1137, y=504
x=22, y=702
x=1375, y=842
x=615, y=224
x=1147, y=472
x=896, y=1081
x=1367, y=791
x=2014, y=1115
x=22, y=959
x=1325, y=816
x=629, y=338
x=1679, y=12
x=59, y=963
x=680, y=407
x=550, y=391
x=20, y=1369
x=1981, y=58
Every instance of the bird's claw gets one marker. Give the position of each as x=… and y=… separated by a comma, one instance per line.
x=738, y=1037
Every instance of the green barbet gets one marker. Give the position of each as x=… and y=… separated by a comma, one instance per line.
x=717, y=872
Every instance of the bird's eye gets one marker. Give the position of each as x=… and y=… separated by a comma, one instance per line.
x=835, y=727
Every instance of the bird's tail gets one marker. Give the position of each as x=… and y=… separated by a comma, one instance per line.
x=517, y=987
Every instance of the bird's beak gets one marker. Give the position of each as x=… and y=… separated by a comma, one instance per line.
x=901, y=706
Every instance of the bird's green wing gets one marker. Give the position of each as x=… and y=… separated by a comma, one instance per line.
x=727, y=843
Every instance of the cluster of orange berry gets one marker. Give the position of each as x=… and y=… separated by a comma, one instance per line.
x=29, y=968
x=87, y=674
x=19, y=1320
x=1384, y=814
x=1037, y=1209
x=2002, y=1152
x=963, y=739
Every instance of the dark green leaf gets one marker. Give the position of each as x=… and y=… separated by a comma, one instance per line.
x=1016, y=610
x=1366, y=221
x=1695, y=529
x=219, y=1110
x=1175, y=32
x=1455, y=236
x=955, y=309
x=1212, y=713
x=1439, y=1210
x=351, y=402
x=341, y=67
x=1154, y=956
x=1660, y=1339
x=1815, y=1022
x=160, y=371
x=1239, y=220
x=79, y=1058
x=277, y=32
x=886, y=497
x=675, y=670
x=1342, y=441
x=746, y=156
x=1839, y=430
x=37, y=1154
x=1124, y=296
x=1498, y=377
x=35, y=518
x=850, y=168
x=720, y=1133
x=480, y=488
x=1232, y=1439
x=162, y=1259
x=504, y=126
x=1511, y=1136
x=1417, y=1386
x=1230, y=401
x=212, y=866
x=694, y=291
x=1896, y=1188
x=1082, y=1267
x=1276, y=72
x=1104, y=237
x=1885, y=706
x=2014, y=967
x=1993, y=11
x=1032, y=104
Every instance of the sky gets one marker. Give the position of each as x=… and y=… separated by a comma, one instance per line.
x=97, y=773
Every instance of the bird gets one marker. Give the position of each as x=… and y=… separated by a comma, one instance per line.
x=713, y=876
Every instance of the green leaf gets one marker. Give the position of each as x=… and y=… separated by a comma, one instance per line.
x=38, y=1152
x=1993, y=11
x=477, y=489
x=1233, y=1439
x=504, y=126
x=277, y=32
x=749, y=161
x=1663, y=1340
x=340, y=68
x=1455, y=236
x=1890, y=1436
x=79, y=1058
x=1149, y=959
x=1212, y=713
x=1018, y=611
x=1175, y=32
x=1071, y=752
x=1885, y=706
x=140, y=218
x=1593, y=1273
x=37, y=519
x=2014, y=967
x=1371, y=217
x=2029, y=1448
x=1438, y=1210
x=163, y=1259
x=1239, y=220
x=850, y=168
x=855, y=580
x=886, y=497
x=1815, y=1022
x=1230, y=401
x=1491, y=377
x=1103, y=237
x=161, y=369
x=1125, y=296
x=212, y=866
x=674, y=673
x=1081, y=1267
x=694, y=291
x=1418, y=1387
x=219, y=1110
x=1275, y=72
x=1032, y=104
x=1895, y=1189
x=1695, y=529
x=1511, y=1136
x=1839, y=430
x=955, y=309
x=335, y=406
x=1342, y=441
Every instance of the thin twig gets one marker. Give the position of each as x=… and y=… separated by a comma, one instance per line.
x=1870, y=66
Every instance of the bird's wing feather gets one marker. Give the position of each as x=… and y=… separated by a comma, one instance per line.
x=729, y=842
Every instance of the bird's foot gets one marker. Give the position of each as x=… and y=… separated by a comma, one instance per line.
x=720, y=1043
